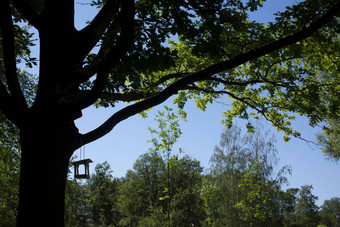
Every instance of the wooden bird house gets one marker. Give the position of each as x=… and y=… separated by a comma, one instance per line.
x=82, y=163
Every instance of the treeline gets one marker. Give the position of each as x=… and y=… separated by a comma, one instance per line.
x=242, y=187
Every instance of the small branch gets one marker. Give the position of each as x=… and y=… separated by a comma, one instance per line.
x=126, y=97
x=7, y=34
x=27, y=11
x=169, y=77
x=245, y=83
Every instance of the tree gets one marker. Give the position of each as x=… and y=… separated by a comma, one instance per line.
x=163, y=140
x=141, y=192
x=228, y=163
x=245, y=191
x=186, y=182
x=103, y=196
x=93, y=203
x=289, y=201
x=77, y=210
x=330, y=141
x=143, y=198
x=9, y=171
x=306, y=209
x=330, y=212
x=272, y=69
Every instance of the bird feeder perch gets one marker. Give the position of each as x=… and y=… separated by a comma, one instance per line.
x=86, y=164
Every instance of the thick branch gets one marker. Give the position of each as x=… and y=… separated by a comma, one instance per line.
x=8, y=107
x=129, y=111
x=89, y=36
x=114, y=54
x=27, y=11
x=7, y=34
x=205, y=74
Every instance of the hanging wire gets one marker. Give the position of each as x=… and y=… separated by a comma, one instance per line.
x=81, y=149
x=82, y=153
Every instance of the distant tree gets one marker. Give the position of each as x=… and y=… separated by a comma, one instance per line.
x=228, y=162
x=102, y=197
x=186, y=181
x=245, y=190
x=288, y=205
x=330, y=140
x=330, y=212
x=93, y=203
x=140, y=193
x=142, y=198
x=306, y=209
x=163, y=140
x=77, y=209
x=9, y=172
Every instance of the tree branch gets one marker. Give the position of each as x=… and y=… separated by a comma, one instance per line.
x=205, y=74
x=8, y=47
x=169, y=77
x=129, y=111
x=27, y=11
x=235, y=83
x=8, y=107
x=114, y=54
x=89, y=36
x=269, y=48
x=126, y=97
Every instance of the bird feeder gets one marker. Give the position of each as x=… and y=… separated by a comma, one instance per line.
x=86, y=173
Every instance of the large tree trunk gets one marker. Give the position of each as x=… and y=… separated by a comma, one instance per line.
x=46, y=150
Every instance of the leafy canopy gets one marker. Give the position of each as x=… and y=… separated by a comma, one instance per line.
x=178, y=39
x=144, y=52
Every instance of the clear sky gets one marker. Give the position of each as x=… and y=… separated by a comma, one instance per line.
x=201, y=133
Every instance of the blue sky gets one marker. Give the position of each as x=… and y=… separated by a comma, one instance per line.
x=121, y=147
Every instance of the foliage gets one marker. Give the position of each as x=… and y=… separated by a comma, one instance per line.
x=141, y=190
x=163, y=140
x=168, y=131
x=95, y=202
x=76, y=204
x=306, y=209
x=330, y=212
x=142, y=195
x=261, y=204
x=103, y=197
x=216, y=50
x=9, y=171
x=243, y=190
x=330, y=141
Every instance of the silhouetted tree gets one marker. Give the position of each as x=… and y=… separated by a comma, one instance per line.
x=272, y=69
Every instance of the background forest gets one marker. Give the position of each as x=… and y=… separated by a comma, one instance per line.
x=244, y=186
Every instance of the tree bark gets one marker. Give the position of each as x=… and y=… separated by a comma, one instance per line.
x=46, y=150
